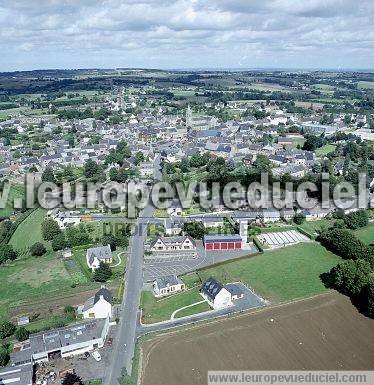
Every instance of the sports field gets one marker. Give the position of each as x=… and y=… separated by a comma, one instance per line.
x=324, y=332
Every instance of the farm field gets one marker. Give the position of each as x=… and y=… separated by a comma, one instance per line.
x=366, y=234
x=30, y=277
x=277, y=275
x=160, y=309
x=321, y=333
x=363, y=85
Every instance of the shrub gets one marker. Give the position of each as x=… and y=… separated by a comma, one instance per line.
x=22, y=334
x=299, y=218
x=4, y=356
x=6, y=329
x=102, y=273
x=50, y=229
x=37, y=249
x=7, y=253
x=356, y=219
x=59, y=242
x=350, y=277
x=344, y=243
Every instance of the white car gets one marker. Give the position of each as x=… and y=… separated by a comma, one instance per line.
x=96, y=355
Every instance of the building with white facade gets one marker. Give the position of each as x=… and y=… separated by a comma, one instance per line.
x=173, y=243
x=167, y=285
x=98, y=306
x=216, y=294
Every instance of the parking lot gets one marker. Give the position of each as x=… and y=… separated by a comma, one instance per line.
x=183, y=263
x=282, y=239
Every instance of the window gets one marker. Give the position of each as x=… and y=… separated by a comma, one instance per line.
x=91, y=315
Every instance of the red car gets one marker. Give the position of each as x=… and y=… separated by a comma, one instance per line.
x=110, y=341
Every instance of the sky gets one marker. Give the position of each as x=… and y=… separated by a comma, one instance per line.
x=44, y=34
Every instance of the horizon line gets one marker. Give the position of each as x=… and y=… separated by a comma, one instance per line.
x=197, y=69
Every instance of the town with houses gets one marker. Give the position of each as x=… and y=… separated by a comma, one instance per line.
x=86, y=291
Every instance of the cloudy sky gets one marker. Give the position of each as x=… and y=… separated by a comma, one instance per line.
x=38, y=34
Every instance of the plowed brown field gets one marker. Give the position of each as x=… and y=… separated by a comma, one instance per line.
x=325, y=332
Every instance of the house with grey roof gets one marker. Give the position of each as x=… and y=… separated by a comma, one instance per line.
x=96, y=255
x=167, y=285
x=174, y=243
x=63, y=342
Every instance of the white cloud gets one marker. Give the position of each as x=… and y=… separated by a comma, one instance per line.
x=185, y=33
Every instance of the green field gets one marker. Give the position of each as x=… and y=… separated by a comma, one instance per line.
x=31, y=284
x=29, y=231
x=161, y=309
x=365, y=85
x=278, y=275
x=366, y=234
x=199, y=308
x=27, y=278
x=324, y=150
x=14, y=192
x=314, y=227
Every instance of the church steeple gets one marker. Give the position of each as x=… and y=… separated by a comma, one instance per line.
x=188, y=116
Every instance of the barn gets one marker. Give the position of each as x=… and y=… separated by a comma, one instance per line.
x=223, y=242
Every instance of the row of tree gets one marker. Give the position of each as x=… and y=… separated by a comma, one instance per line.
x=354, y=276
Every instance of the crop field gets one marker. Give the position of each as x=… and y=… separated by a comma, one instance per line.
x=321, y=333
x=278, y=275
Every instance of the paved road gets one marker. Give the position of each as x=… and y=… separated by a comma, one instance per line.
x=124, y=344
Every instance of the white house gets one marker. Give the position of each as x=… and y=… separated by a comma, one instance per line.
x=95, y=255
x=175, y=209
x=216, y=294
x=98, y=306
x=167, y=285
x=173, y=243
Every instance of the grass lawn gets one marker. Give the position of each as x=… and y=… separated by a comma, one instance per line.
x=161, y=213
x=324, y=150
x=313, y=227
x=199, y=308
x=366, y=234
x=29, y=231
x=161, y=309
x=277, y=275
